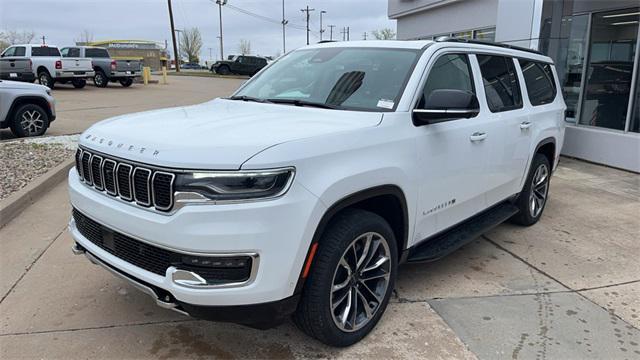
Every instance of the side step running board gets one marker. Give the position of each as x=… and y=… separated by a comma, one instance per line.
x=451, y=240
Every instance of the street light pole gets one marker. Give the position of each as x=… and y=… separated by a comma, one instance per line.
x=321, y=29
x=284, y=24
x=178, y=57
x=220, y=4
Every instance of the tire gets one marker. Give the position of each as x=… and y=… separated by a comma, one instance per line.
x=45, y=79
x=314, y=314
x=126, y=82
x=223, y=70
x=534, y=195
x=29, y=120
x=79, y=83
x=100, y=79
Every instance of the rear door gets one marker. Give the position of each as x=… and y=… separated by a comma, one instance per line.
x=507, y=120
x=452, y=155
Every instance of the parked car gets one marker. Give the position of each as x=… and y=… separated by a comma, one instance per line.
x=106, y=69
x=241, y=65
x=191, y=66
x=27, y=109
x=303, y=192
x=47, y=65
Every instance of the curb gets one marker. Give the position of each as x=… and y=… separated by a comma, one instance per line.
x=21, y=199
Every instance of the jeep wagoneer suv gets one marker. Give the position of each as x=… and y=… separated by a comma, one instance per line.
x=302, y=193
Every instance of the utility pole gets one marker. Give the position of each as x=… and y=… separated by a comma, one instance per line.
x=210, y=53
x=344, y=33
x=331, y=32
x=220, y=4
x=284, y=24
x=178, y=57
x=173, y=36
x=347, y=33
x=307, y=10
x=321, y=29
x=43, y=40
x=364, y=36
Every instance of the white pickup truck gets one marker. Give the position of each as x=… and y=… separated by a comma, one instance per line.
x=49, y=67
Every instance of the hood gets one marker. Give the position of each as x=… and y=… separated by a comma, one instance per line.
x=221, y=134
x=8, y=84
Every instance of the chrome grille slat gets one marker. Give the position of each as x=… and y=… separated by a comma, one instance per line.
x=147, y=187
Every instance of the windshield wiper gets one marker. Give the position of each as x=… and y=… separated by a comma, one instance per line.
x=248, y=98
x=298, y=102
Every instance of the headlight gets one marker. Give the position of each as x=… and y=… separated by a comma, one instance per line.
x=236, y=185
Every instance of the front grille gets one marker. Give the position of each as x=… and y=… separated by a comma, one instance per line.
x=129, y=182
x=157, y=260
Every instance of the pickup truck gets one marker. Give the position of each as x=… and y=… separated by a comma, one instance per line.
x=46, y=64
x=27, y=109
x=106, y=69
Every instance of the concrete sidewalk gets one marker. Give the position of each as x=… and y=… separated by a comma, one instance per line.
x=566, y=288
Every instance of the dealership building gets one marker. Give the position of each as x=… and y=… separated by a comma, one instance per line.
x=594, y=45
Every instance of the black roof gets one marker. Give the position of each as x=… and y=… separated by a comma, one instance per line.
x=489, y=43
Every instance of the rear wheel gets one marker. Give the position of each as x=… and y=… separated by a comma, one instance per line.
x=45, y=79
x=79, y=83
x=126, y=82
x=533, y=198
x=30, y=120
x=352, y=277
x=100, y=79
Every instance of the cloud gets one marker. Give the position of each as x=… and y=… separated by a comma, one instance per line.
x=62, y=21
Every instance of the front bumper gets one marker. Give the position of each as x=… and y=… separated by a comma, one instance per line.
x=279, y=231
x=74, y=74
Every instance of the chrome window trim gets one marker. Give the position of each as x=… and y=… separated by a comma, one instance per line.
x=93, y=157
x=88, y=181
x=133, y=177
x=115, y=182
x=79, y=164
x=124, y=198
x=171, y=195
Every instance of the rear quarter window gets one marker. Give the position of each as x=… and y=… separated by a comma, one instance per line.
x=44, y=51
x=538, y=78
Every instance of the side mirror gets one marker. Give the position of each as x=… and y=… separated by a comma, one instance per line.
x=447, y=104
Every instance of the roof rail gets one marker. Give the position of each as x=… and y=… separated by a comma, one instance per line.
x=489, y=43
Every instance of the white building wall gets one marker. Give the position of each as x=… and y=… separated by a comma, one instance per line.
x=518, y=22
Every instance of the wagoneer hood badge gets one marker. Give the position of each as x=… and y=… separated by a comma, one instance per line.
x=220, y=134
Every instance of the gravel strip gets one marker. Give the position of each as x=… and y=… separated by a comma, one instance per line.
x=22, y=161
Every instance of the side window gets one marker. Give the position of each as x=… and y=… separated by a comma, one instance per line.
x=450, y=71
x=500, y=83
x=9, y=52
x=241, y=59
x=20, y=51
x=538, y=78
x=74, y=52
x=64, y=52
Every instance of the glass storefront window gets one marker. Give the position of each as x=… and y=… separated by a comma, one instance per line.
x=463, y=34
x=570, y=71
x=488, y=34
x=612, y=44
x=634, y=122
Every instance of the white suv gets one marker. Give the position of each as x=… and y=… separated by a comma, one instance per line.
x=303, y=192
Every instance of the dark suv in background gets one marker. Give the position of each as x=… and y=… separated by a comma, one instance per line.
x=242, y=65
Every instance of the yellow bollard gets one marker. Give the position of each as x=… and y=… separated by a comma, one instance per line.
x=146, y=74
x=164, y=75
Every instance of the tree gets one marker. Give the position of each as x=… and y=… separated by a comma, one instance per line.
x=17, y=37
x=191, y=44
x=85, y=37
x=384, y=34
x=244, y=47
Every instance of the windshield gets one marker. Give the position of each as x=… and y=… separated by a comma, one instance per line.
x=370, y=79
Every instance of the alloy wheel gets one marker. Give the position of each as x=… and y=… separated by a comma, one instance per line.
x=32, y=122
x=360, y=282
x=44, y=80
x=539, y=189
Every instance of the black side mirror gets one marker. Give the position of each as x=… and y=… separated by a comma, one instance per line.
x=447, y=104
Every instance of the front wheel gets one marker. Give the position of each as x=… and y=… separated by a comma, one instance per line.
x=126, y=82
x=533, y=198
x=351, y=279
x=224, y=70
x=30, y=120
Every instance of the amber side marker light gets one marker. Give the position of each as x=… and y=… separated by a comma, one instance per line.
x=307, y=266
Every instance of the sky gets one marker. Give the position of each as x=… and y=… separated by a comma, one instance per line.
x=62, y=21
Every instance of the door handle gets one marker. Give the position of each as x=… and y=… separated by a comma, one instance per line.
x=478, y=136
x=525, y=125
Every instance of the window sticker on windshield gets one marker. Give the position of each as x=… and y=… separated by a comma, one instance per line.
x=384, y=103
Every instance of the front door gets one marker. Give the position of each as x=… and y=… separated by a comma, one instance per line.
x=452, y=154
